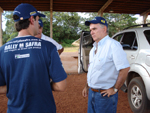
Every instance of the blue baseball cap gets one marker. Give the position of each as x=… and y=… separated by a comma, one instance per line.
x=25, y=11
x=40, y=22
x=97, y=20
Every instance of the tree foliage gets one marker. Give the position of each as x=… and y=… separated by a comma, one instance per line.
x=68, y=25
x=65, y=26
x=10, y=28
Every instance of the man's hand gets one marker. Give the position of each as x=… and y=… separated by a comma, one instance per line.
x=108, y=92
x=85, y=91
x=120, y=81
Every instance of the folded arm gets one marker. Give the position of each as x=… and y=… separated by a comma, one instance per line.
x=59, y=86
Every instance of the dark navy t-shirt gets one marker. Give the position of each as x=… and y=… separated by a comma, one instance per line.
x=26, y=66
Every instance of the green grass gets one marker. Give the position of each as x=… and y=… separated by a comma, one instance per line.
x=71, y=49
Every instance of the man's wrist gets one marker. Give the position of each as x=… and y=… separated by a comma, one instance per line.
x=115, y=89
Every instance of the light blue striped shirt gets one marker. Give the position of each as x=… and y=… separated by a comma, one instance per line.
x=104, y=66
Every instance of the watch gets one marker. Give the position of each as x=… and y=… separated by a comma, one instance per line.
x=115, y=89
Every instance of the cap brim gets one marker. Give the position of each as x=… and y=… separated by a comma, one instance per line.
x=40, y=14
x=87, y=23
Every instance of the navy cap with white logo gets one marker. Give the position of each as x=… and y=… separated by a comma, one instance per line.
x=25, y=11
x=97, y=20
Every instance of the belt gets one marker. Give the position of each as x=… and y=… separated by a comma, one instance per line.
x=97, y=90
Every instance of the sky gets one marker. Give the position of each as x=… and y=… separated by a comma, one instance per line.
x=139, y=20
x=3, y=23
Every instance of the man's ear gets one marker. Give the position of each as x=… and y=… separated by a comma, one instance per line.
x=105, y=28
x=31, y=19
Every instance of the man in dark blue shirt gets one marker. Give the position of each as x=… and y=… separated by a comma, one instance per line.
x=27, y=64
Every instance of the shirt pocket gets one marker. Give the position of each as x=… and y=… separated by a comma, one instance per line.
x=99, y=63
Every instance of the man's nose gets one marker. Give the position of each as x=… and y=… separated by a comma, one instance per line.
x=91, y=32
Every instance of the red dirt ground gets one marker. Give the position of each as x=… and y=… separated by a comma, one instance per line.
x=72, y=101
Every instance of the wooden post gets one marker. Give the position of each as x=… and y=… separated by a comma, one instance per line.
x=144, y=18
x=1, y=41
x=100, y=12
x=51, y=18
x=145, y=14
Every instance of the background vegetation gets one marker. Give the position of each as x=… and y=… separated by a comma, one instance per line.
x=67, y=26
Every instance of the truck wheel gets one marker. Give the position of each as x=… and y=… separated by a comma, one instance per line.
x=137, y=97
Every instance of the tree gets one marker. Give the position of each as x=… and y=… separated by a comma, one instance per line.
x=10, y=28
x=66, y=26
x=5, y=37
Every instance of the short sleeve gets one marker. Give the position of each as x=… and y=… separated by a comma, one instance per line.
x=119, y=56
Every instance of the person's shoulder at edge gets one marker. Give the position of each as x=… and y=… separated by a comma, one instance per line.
x=47, y=43
x=47, y=38
x=58, y=46
x=44, y=37
x=114, y=42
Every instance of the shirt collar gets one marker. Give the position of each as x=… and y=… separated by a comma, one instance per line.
x=42, y=36
x=101, y=41
x=23, y=36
